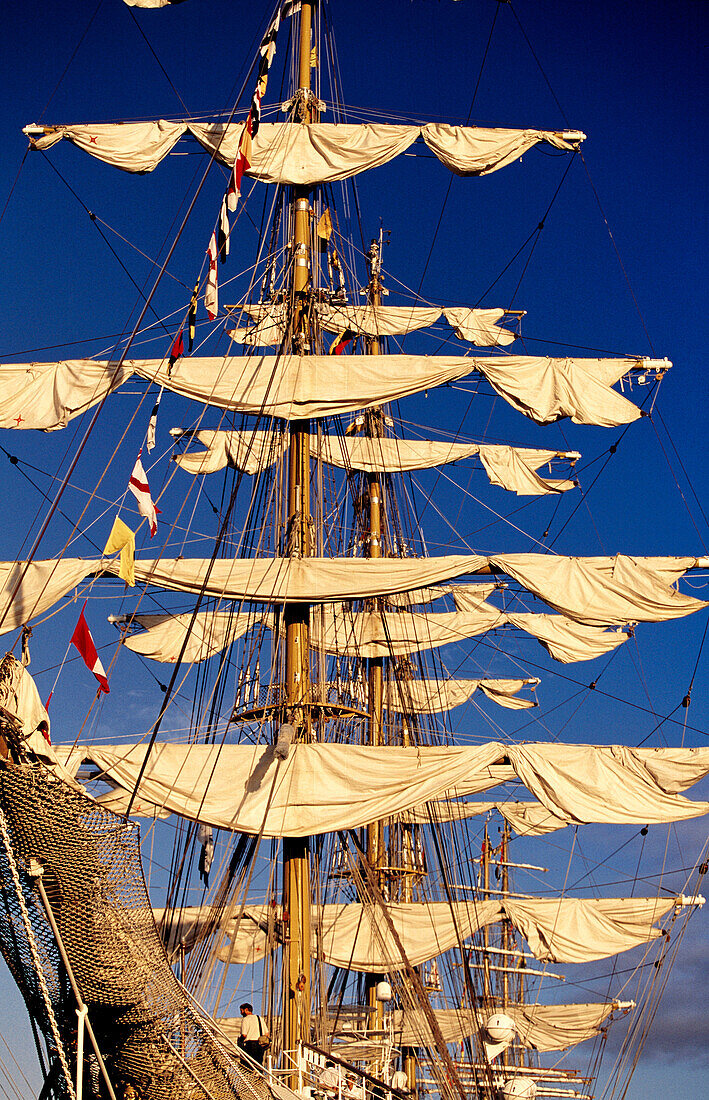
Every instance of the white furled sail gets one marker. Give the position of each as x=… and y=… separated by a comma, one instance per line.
x=39, y=584
x=298, y=580
x=430, y=696
x=479, y=326
x=578, y=930
x=565, y=640
x=546, y=390
x=566, y=929
x=269, y=328
x=604, y=591
x=184, y=928
x=589, y=590
x=319, y=788
x=355, y=936
x=513, y=468
x=642, y=785
x=304, y=155
x=381, y=634
x=325, y=787
x=539, y=1027
x=250, y=451
x=362, y=634
x=49, y=395
x=164, y=635
x=373, y=321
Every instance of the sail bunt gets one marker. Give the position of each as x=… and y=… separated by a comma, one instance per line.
x=538, y=1027
x=593, y=592
x=48, y=395
x=328, y=787
x=304, y=155
x=478, y=326
x=354, y=936
x=375, y=633
x=513, y=468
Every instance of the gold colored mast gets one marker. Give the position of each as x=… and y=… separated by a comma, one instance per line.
x=375, y=665
x=296, y=852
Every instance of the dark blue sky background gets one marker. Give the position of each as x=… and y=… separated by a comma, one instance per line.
x=632, y=77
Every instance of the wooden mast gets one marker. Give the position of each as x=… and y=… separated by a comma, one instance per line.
x=375, y=665
x=296, y=851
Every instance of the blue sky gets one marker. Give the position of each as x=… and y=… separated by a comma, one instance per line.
x=631, y=77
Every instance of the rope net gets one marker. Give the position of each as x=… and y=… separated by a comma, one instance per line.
x=150, y=1034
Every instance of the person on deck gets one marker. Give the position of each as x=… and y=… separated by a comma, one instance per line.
x=252, y=1028
x=352, y=1091
x=330, y=1079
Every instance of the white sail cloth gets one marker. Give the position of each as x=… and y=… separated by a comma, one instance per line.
x=430, y=696
x=546, y=390
x=319, y=788
x=579, y=930
x=49, y=395
x=318, y=152
x=250, y=451
x=539, y=1027
x=604, y=591
x=269, y=328
x=642, y=785
x=39, y=584
x=20, y=698
x=373, y=634
x=513, y=468
x=565, y=640
x=362, y=634
x=325, y=787
x=477, y=326
x=588, y=590
x=382, y=634
x=164, y=635
x=356, y=936
x=183, y=929
x=298, y=580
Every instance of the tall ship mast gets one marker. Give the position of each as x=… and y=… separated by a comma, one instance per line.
x=344, y=855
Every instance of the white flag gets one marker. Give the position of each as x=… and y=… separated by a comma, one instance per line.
x=211, y=293
x=138, y=485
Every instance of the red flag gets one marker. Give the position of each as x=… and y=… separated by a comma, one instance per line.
x=83, y=641
x=177, y=350
x=340, y=343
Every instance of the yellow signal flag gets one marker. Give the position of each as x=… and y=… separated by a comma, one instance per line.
x=123, y=539
x=324, y=230
x=314, y=58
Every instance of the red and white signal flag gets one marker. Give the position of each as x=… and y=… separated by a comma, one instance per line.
x=138, y=485
x=83, y=641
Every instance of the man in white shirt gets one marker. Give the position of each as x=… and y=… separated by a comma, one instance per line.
x=400, y=1081
x=352, y=1091
x=252, y=1028
x=330, y=1079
